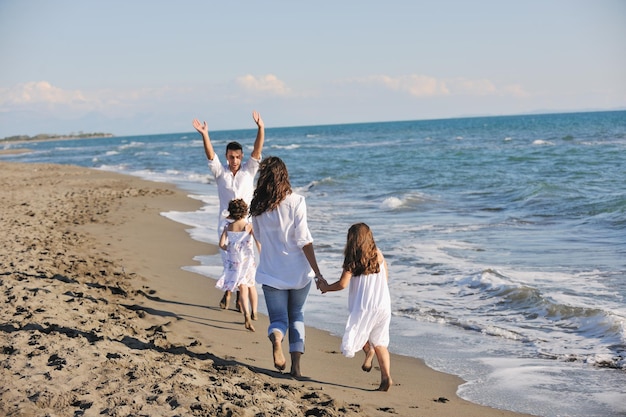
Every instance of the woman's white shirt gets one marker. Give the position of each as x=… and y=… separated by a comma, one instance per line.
x=283, y=232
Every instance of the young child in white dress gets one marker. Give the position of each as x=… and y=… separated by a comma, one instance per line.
x=369, y=302
x=240, y=265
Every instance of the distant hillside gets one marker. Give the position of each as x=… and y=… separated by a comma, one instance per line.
x=48, y=136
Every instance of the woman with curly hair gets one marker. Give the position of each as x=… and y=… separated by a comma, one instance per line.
x=279, y=219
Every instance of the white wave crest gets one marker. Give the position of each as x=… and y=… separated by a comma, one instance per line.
x=287, y=147
x=132, y=145
x=391, y=203
x=406, y=201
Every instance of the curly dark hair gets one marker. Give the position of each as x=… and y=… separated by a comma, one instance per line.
x=272, y=186
x=237, y=209
x=360, y=253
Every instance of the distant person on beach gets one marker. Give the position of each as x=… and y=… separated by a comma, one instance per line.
x=237, y=241
x=279, y=217
x=235, y=179
x=369, y=302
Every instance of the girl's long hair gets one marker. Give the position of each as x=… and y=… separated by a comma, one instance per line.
x=360, y=253
x=272, y=186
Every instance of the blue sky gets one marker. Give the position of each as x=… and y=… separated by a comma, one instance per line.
x=145, y=67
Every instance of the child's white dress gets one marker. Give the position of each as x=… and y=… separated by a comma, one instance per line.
x=369, y=303
x=239, y=265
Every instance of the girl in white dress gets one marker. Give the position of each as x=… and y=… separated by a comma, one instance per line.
x=369, y=303
x=240, y=266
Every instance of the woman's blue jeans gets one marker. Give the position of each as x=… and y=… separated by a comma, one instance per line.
x=286, y=311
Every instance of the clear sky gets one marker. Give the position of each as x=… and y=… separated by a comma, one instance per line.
x=132, y=67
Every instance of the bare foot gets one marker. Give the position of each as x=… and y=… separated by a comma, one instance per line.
x=298, y=376
x=225, y=301
x=295, y=365
x=249, y=325
x=385, y=384
x=277, y=350
x=369, y=357
x=254, y=316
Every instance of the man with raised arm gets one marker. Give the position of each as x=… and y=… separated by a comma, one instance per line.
x=235, y=179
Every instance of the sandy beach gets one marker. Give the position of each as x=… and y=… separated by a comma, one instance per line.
x=100, y=319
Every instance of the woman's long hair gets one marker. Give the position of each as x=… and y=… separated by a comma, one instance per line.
x=360, y=253
x=272, y=186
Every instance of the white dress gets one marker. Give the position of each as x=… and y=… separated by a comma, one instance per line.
x=239, y=265
x=369, y=304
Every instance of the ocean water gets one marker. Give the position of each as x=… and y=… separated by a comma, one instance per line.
x=505, y=238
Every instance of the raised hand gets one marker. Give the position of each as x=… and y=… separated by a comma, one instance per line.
x=257, y=119
x=200, y=127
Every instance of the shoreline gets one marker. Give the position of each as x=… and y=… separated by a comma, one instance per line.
x=35, y=139
x=91, y=267
x=16, y=151
x=8, y=150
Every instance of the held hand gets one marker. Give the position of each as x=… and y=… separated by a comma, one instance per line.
x=257, y=119
x=200, y=127
x=321, y=284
